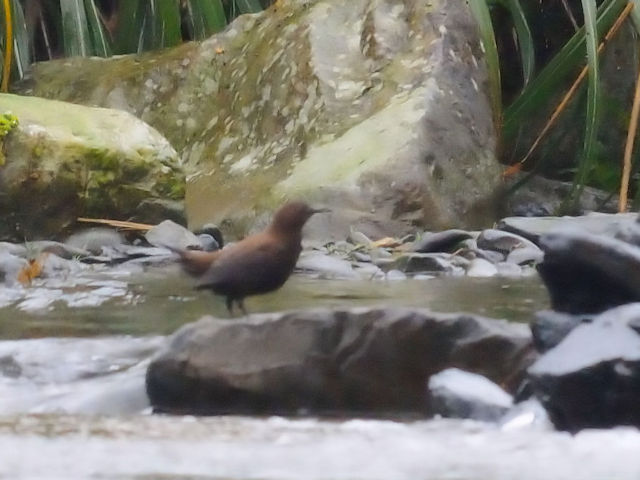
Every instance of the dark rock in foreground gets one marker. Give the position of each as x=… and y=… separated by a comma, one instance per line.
x=366, y=361
x=592, y=378
x=549, y=328
x=588, y=273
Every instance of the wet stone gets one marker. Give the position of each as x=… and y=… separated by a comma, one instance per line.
x=13, y=249
x=208, y=243
x=509, y=269
x=588, y=273
x=325, y=265
x=212, y=230
x=321, y=360
x=480, y=267
x=94, y=240
x=395, y=275
x=455, y=393
x=10, y=266
x=530, y=255
x=359, y=238
x=549, y=328
x=170, y=234
x=591, y=379
x=445, y=241
x=9, y=367
x=526, y=415
x=425, y=262
x=501, y=241
x=361, y=257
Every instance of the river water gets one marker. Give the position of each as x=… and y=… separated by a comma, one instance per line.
x=72, y=400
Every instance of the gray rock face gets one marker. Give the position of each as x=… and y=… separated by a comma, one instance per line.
x=377, y=107
x=588, y=273
x=592, y=378
x=368, y=361
x=455, y=393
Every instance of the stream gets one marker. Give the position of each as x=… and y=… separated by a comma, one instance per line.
x=73, y=405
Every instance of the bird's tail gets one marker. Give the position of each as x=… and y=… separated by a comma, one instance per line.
x=195, y=262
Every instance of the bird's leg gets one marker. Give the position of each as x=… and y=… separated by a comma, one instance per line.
x=240, y=302
x=229, y=303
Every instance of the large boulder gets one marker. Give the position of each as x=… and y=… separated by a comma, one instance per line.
x=62, y=161
x=367, y=361
x=377, y=107
x=591, y=379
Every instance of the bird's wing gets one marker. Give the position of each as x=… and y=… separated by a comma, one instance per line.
x=252, y=266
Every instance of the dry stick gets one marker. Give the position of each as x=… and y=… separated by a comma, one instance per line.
x=118, y=223
x=628, y=149
x=560, y=108
x=6, y=72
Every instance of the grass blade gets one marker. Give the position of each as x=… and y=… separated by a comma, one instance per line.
x=480, y=12
x=75, y=32
x=99, y=38
x=130, y=26
x=525, y=40
x=164, y=19
x=205, y=17
x=21, y=45
x=544, y=87
x=593, y=107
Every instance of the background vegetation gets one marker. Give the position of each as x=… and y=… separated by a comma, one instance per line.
x=562, y=99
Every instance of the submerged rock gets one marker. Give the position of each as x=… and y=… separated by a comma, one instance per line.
x=455, y=393
x=65, y=160
x=591, y=379
x=380, y=108
x=367, y=361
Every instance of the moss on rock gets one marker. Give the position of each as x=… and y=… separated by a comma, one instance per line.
x=65, y=161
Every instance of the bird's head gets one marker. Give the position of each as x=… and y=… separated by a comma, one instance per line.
x=292, y=216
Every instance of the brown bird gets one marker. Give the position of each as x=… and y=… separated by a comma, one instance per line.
x=257, y=264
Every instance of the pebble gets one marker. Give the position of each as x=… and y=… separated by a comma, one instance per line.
x=480, y=267
x=501, y=241
x=524, y=255
x=395, y=275
x=445, y=241
x=169, y=233
x=94, y=239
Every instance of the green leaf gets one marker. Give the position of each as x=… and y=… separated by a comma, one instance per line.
x=483, y=19
x=129, y=35
x=592, y=121
x=544, y=88
x=99, y=38
x=75, y=31
x=525, y=40
x=21, y=45
x=164, y=19
x=205, y=17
